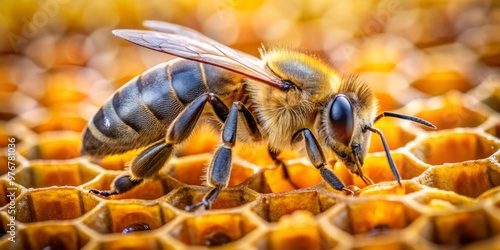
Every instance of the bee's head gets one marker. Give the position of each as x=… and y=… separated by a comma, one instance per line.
x=344, y=122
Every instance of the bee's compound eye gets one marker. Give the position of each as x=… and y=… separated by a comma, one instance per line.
x=342, y=118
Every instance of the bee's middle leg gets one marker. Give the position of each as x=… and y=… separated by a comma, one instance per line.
x=219, y=168
x=152, y=159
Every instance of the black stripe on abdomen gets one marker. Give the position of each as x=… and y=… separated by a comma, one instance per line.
x=157, y=95
x=128, y=106
x=187, y=81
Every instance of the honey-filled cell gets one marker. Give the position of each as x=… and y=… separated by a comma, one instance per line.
x=62, y=203
x=372, y=218
x=55, y=236
x=296, y=231
x=63, y=173
x=127, y=217
x=215, y=229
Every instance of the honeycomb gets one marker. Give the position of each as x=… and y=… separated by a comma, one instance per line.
x=438, y=60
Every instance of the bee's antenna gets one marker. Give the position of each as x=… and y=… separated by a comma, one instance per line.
x=406, y=117
x=387, y=152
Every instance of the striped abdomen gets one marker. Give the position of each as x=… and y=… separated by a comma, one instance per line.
x=140, y=112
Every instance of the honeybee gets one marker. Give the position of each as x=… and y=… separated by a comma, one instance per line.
x=287, y=99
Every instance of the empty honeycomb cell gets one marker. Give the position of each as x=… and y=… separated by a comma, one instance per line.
x=61, y=203
x=458, y=228
x=57, y=145
x=51, y=236
x=455, y=146
x=150, y=189
x=470, y=178
x=376, y=167
x=297, y=231
x=63, y=173
x=449, y=112
x=216, y=229
x=274, y=206
x=395, y=135
x=228, y=198
x=191, y=170
x=126, y=217
x=374, y=217
x=442, y=200
x=9, y=191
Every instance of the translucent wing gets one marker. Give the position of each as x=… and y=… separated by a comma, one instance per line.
x=171, y=28
x=192, y=45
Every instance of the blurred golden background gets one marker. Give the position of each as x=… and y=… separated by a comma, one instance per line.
x=438, y=60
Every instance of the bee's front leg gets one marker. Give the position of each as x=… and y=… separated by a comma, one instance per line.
x=317, y=158
x=219, y=168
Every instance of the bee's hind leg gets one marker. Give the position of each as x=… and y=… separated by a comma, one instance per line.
x=145, y=165
x=219, y=168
